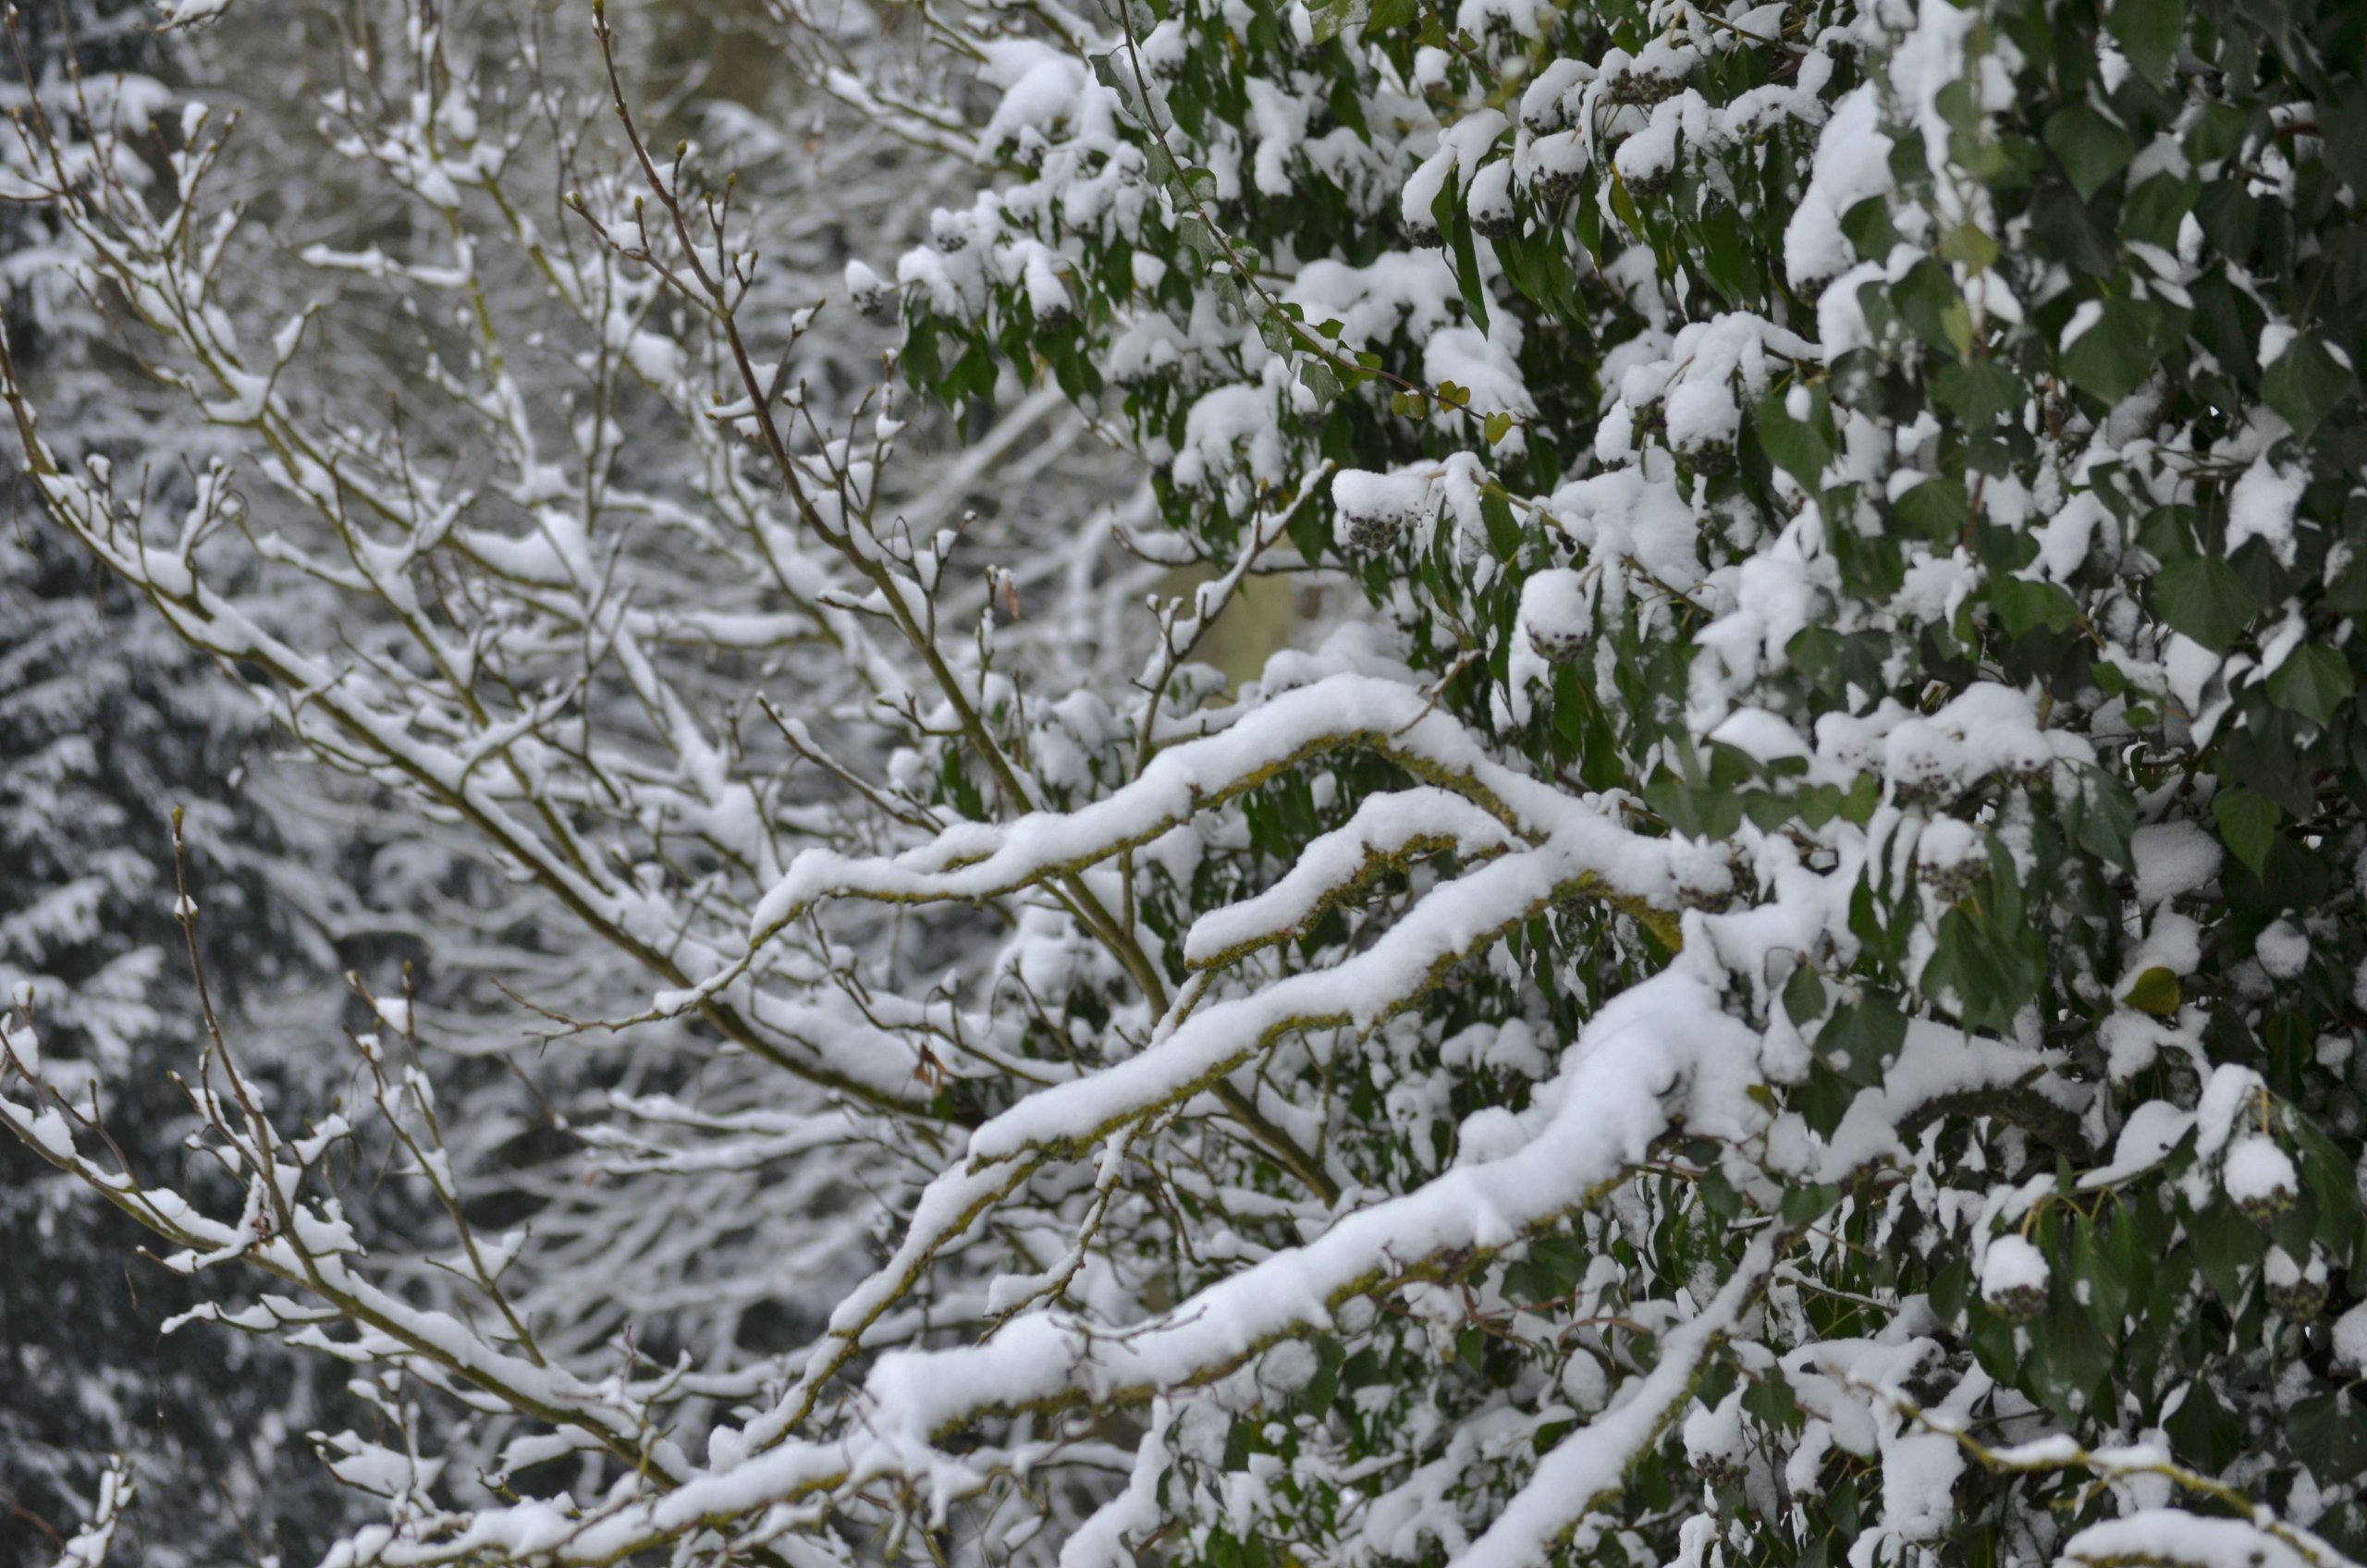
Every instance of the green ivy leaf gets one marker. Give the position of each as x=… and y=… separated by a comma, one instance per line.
x=2304, y=384
x=2314, y=681
x=1937, y=509
x=1929, y=300
x=1951, y=1287
x=1801, y=447
x=1504, y=529
x=2022, y=606
x=2118, y=353
x=1967, y=244
x=1862, y=1039
x=1770, y=1402
x=2073, y=1357
x=1993, y=1347
x=1867, y=226
x=1994, y=965
x=2332, y=1432
x=2205, y=1430
x=2108, y=1286
x=2204, y=598
x=2155, y=209
x=2247, y=822
x=2092, y=149
x=1802, y=1204
x=2227, y=1247
x=1977, y=391
x=1803, y=997
x=1865, y=794
x=2148, y=32
x=2101, y=813
x=2217, y=132
x=1193, y=235
x=1718, y=1195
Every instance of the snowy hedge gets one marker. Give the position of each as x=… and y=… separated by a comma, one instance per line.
x=1775, y=980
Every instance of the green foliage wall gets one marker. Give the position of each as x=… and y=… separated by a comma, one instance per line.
x=1950, y=416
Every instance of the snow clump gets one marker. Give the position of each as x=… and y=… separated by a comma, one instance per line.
x=1376, y=509
x=2350, y=1340
x=2296, y=1289
x=1555, y=612
x=2259, y=1177
x=2282, y=949
x=2013, y=1279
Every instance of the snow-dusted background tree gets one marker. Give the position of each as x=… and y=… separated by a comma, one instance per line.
x=107, y=722
x=1773, y=978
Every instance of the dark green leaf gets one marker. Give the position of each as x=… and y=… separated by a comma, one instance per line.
x=2074, y=1356
x=1801, y=1203
x=2247, y=823
x=1718, y=1195
x=2206, y=1432
x=2204, y=598
x=1937, y=509
x=2023, y=606
x=1321, y=381
x=2216, y=133
x=2118, y=351
x=2314, y=681
x=2148, y=32
x=1862, y=1039
x=1929, y=300
x=2227, y=1248
x=1868, y=227
x=2330, y=1431
x=1803, y=997
x=2155, y=209
x=2101, y=813
x=1977, y=391
x=1992, y=964
x=1801, y=447
x=2091, y=148
x=2304, y=384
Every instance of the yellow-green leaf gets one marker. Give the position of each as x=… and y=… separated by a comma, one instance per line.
x=2155, y=991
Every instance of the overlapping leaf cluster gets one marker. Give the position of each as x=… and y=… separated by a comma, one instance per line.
x=1950, y=418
